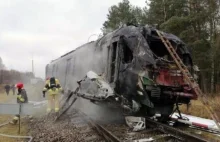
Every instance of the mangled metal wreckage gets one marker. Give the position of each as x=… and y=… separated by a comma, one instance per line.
x=129, y=68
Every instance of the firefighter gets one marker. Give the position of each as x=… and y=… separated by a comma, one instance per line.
x=53, y=89
x=7, y=89
x=13, y=87
x=21, y=98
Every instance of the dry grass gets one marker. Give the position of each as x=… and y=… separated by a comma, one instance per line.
x=9, y=129
x=198, y=109
x=4, y=98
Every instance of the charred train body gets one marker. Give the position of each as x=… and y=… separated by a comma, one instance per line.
x=130, y=68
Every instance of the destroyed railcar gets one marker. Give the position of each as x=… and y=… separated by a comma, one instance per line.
x=134, y=69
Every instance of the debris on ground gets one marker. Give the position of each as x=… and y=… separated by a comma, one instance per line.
x=45, y=129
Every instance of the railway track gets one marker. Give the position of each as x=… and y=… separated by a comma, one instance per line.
x=154, y=131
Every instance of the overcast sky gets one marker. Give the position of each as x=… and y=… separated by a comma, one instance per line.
x=47, y=29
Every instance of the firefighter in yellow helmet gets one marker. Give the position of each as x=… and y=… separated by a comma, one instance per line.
x=53, y=89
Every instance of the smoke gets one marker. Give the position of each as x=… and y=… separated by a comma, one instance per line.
x=74, y=66
x=34, y=93
x=2, y=66
x=101, y=113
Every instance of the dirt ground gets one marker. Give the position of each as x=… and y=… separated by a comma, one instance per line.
x=33, y=94
x=45, y=129
x=10, y=129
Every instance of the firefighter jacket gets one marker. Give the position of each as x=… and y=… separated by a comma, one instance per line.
x=7, y=87
x=22, y=96
x=52, y=89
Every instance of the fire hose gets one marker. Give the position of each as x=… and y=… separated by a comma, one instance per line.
x=14, y=136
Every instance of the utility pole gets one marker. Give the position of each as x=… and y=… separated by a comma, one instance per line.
x=32, y=64
x=1, y=77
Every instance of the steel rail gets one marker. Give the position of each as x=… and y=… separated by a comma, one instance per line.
x=175, y=132
x=166, y=129
x=100, y=129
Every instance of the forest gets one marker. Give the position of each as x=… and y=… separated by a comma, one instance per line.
x=196, y=22
x=13, y=76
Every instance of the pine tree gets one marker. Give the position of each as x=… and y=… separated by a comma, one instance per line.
x=196, y=22
x=160, y=11
x=121, y=14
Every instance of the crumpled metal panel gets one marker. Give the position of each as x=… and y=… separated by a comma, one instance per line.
x=150, y=33
x=135, y=40
x=137, y=123
x=95, y=86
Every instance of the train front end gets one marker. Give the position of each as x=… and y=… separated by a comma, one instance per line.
x=160, y=84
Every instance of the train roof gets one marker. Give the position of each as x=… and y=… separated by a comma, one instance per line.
x=71, y=51
x=98, y=40
x=149, y=33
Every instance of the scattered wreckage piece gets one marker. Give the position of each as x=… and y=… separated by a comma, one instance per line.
x=141, y=123
x=153, y=131
x=196, y=122
x=137, y=123
x=150, y=130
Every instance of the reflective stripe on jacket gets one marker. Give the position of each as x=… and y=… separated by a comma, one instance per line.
x=22, y=96
x=54, y=90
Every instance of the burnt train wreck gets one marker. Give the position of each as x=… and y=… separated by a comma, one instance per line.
x=129, y=68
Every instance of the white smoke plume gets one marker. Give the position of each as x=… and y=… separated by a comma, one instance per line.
x=2, y=66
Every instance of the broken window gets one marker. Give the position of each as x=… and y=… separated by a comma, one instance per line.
x=127, y=53
x=158, y=48
x=114, y=54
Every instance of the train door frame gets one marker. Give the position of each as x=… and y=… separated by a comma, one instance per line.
x=53, y=70
x=68, y=64
x=73, y=65
x=56, y=70
x=113, y=62
x=47, y=71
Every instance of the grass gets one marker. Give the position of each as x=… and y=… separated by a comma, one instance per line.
x=10, y=129
x=198, y=109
